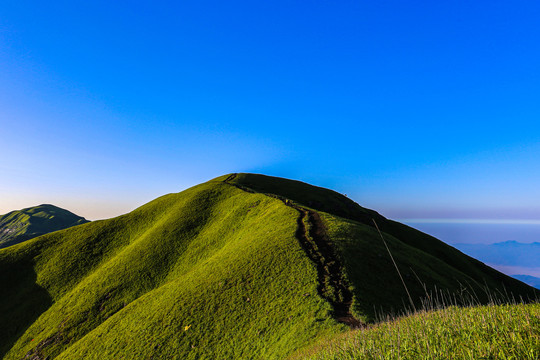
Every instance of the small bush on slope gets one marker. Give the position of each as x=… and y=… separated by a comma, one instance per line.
x=484, y=332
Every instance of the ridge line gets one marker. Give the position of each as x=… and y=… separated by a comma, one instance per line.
x=313, y=239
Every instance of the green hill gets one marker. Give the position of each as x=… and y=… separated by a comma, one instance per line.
x=21, y=225
x=243, y=266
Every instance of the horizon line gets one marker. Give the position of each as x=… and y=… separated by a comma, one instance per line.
x=470, y=221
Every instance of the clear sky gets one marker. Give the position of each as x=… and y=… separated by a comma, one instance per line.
x=417, y=109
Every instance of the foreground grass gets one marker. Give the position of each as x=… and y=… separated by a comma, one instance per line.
x=484, y=332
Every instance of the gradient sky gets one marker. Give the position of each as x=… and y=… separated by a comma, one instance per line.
x=415, y=109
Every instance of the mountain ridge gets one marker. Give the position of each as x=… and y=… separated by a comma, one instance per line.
x=332, y=285
x=219, y=272
x=355, y=212
x=21, y=225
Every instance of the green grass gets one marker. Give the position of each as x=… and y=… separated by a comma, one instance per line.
x=215, y=258
x=20, y=225
x=483, y=332
x=361, y=238
x=377, y=286
x=214, y=272
x=427, y=265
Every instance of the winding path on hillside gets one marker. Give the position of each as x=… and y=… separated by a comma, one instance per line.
x=312, y=236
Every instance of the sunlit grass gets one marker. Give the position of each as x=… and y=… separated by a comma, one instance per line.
x=211, y=272
x=483, y=332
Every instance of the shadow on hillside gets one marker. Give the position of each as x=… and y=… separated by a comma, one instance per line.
x=22, y=301
x=14, y=241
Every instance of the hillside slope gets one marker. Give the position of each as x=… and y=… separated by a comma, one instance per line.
x=430, y=268
x=237, y=267
x=20, y=225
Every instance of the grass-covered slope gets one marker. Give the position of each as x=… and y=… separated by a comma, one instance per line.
x=243, y=266
x=483, y=332
x=20, y=225
x=212, y=272
x=430, y=268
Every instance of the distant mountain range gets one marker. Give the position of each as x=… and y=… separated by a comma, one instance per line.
x=243, y=266
x=528, y=279
x=508, y=253
x=21, y=225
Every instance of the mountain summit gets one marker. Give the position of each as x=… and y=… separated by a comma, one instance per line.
x=242, y=266
x=21, y=225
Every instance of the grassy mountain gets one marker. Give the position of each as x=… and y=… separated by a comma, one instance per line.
x=21, y=225
x=242, y=266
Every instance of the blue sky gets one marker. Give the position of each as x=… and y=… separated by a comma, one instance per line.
x=415, y=109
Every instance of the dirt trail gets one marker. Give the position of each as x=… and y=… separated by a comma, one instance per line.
x=311, y=235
